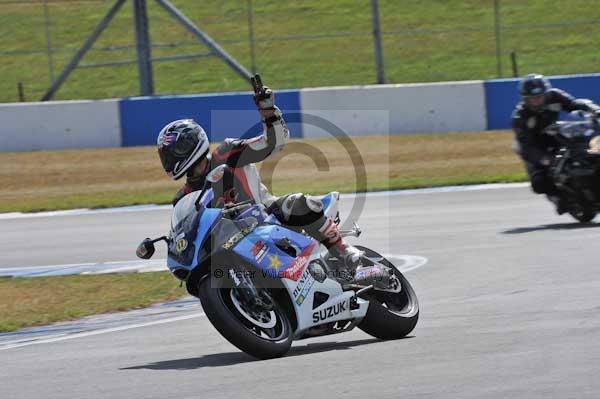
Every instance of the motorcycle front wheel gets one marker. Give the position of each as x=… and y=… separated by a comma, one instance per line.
x=390, y=315
x=264, y=334
x=584, y=215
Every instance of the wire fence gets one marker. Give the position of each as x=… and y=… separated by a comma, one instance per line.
x=293, y=44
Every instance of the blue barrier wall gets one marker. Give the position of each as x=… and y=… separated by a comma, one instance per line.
x=143, y=117
x=358, y=110
x=501, y=95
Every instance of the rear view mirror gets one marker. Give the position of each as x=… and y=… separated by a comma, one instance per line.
x=216, y=174
x=146, y=249
x=211, y=178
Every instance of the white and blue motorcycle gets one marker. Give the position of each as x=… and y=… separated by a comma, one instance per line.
x=263, y=285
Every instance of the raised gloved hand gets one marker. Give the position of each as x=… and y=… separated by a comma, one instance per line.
x=264, y=98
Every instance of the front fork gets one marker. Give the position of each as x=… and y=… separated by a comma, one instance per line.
x=249, y=294
x=557, y=170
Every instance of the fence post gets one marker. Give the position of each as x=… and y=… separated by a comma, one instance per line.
x=251, y=37
x=48, y=42
x=515, y=69
x=142, y=39
x=21, y=92
x=82, y=50
x=498, y=40
x=377, y=42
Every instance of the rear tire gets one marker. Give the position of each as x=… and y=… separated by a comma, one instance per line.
x=390, y=315
x=218, y=306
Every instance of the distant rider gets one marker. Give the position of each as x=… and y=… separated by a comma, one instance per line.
x=539, y=107
x=183, y=148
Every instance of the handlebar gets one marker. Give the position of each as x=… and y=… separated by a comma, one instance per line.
x=572, y=129
x=236, y=207
x=591, y=116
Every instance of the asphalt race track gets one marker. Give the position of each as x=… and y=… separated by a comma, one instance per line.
x=509, y=297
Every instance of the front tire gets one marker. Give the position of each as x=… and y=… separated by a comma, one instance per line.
x=584, y=215
x=259, y=338
x=390, y=315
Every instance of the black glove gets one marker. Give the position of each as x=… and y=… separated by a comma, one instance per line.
x=263, y=98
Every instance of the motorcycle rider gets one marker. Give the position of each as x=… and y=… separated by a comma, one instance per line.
x=183, y=148
x=539, y=107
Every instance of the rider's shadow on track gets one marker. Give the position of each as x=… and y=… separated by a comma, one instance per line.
x=233, y=358
x=555, y=226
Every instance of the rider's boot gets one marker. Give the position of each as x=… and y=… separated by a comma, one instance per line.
x=351, y=257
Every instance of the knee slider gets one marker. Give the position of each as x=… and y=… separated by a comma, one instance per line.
x=314, y=204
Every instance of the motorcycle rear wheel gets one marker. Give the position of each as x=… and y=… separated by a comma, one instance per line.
x=390, y=315
x=266, y=336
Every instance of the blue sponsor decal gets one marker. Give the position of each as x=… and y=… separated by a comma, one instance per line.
x=303, y=287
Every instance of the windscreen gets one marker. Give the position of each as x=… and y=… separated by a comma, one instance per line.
x=184, y=207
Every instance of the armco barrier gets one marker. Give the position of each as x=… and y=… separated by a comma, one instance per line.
x=143, y=117
x=502, y=95
x=411, y=108
x=59, y=124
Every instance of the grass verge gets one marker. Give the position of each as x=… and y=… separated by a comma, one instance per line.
x=26, y=302
x=297, y=44
x=47, y=180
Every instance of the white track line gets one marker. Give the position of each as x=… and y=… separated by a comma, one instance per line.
x=151, y=207
x=410, y=262
x=101, y=331
x=133, y=266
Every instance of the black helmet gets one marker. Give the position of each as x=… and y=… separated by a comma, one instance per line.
x=533, y=89
x=180, y=144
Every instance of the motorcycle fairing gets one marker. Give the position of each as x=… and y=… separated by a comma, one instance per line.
x=181, y=247
x=209, y=218
x=336, y=308
x=193, y=227
x=295, y=275
x=261, y=248
x=257, y=211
